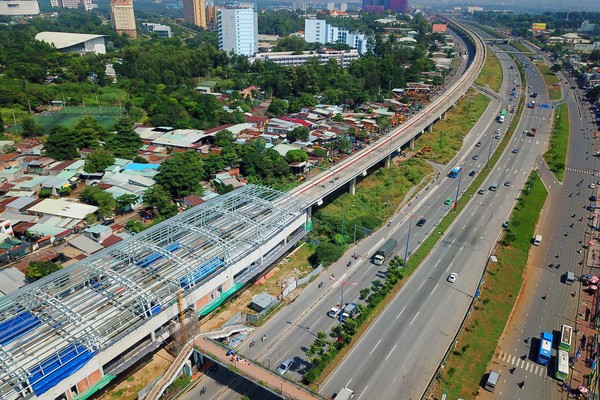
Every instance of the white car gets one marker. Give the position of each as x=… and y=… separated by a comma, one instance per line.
x=592, y=186
x=333, y=312
x=452, y=277
x=498, y=130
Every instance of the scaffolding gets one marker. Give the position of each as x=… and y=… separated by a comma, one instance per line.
x=87, y=306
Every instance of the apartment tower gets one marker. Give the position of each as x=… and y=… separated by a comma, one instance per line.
x=123, y=18
x=194, y=12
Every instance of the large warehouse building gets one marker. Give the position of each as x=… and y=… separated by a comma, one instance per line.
x=74, y=42
x=67, y=335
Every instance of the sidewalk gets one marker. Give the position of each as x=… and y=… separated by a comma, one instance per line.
x=255, y=372
x=585, y=345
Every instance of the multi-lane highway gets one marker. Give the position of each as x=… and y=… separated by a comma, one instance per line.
x=565, y=225
x=416, y=329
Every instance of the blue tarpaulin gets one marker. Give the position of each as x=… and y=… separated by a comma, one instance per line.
x=54, y=369
x=17, y=326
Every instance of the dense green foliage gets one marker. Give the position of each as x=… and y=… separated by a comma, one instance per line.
x=180, y=175
x=98, y=160
x=39, y=269
x=156, y=77
x=105, y=202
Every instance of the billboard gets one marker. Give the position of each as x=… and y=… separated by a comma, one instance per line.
x=441, y=28
x=538, y=26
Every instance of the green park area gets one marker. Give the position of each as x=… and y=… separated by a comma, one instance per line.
x=446, y=138
x=556, y=156
x=68, y=116
x=474, y=348
x=491, y=75
x=551, y=80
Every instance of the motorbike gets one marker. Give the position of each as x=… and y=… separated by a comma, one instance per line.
x=320, y=285
x=252, y=343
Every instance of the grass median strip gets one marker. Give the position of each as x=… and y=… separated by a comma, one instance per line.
x=467, y=362
x=491, y=74
x=446, y=137
x=551, y=80
x=556, y=156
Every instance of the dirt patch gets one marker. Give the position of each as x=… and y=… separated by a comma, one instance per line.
x=295, y=266
x=129, y=387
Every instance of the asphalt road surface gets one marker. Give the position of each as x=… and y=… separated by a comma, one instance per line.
x=566, y=226
x=427, y=304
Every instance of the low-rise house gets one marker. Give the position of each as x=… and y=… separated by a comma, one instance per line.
x=19, y=205
x=98, y=233
x=63, y=208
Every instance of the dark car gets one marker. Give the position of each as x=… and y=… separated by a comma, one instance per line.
x=472, y=173
x=593, y=198
x=421, y=222
x=108, y=222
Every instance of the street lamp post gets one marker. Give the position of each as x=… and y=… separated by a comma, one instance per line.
x=344, y=209
x=487, y=164
x=342, y=284
x=457, y=190
x=407, y=242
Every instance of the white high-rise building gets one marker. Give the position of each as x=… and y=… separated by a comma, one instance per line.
x=74, y=4
x=319, y=31
x=238, y=30
x=315, y=31
x=19, y=7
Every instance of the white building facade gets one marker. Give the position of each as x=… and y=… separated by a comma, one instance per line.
x=319, y=31
x=19, y=7
x=238, y=30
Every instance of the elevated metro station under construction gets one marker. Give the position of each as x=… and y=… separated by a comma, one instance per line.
x=76, y=329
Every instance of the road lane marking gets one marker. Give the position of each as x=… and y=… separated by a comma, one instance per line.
x=363, y=392
x=415, y=317
x=436, y=286
x=391, y=351
x=375, y=347
x=421, y=285
x=401, y=313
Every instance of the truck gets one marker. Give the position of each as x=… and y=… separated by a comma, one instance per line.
x=344, y=394
x=350, y=310
x=531, y=132
x=384, y=251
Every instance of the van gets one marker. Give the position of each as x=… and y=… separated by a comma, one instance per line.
x=285, y=366
x=494, y=186
x=570, y=278
x=537, y=240
x=492, y=381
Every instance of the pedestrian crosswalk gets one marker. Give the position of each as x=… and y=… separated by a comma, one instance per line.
x=580, y=171
x=518, y=362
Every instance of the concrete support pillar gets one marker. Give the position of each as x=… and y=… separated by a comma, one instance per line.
x=444, y=116
x=309, y=213
x=411, y=144
x=430, y=128
x=153, y=336
x=353, y=184
x=387, y=160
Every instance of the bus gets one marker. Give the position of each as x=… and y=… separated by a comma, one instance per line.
x=565, y=337
x=502, y=116
x=545, y=351
x=455, y=171
x=562, y=365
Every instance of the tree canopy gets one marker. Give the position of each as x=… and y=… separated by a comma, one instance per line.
x=39, y=269
x=180, y=175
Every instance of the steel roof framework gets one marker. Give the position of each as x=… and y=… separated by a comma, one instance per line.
x=96, y=301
